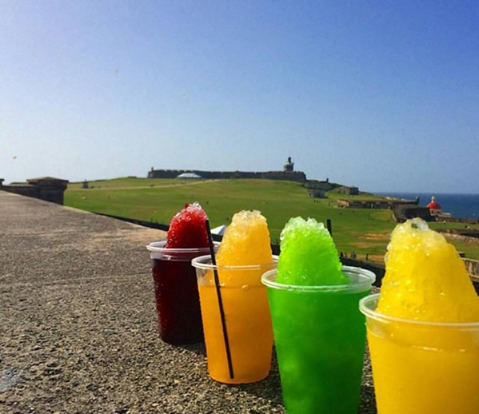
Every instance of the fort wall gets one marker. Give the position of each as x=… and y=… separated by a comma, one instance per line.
x=445, y=219
x=379, y=204
x=225, y=175
x=472, y=267
x=45, y=188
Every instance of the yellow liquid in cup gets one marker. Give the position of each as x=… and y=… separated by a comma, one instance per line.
x=429, y=365
x=425, y=370
x=246, y=243
x=249, y=331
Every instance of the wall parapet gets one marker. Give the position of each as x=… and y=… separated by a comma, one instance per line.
x=45, y=188
x=226, y=175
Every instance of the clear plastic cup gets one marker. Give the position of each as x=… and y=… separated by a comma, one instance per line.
x=422, y=367
x=248, y=321
x=320, y=337
x=176, y=293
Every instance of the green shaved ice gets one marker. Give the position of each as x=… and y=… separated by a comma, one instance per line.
x=308, y=255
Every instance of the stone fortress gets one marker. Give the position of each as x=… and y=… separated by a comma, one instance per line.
x=288, y=174
x=316, y=188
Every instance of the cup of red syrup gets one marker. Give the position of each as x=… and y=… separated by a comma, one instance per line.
x=176, y=293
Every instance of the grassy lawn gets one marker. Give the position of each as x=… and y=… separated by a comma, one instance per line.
x=129, y=182
x=363, y=231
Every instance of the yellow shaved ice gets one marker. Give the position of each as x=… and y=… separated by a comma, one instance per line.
x=246, y=241
x=425, y=279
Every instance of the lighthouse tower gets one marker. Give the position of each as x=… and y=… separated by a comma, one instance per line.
x=434, y=207
x=289, y=165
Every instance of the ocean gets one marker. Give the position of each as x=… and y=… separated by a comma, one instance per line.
x=459, y=205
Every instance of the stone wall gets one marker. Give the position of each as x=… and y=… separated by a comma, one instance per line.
x=225, y=175
x=472, y=267
x=379, y=204
x=319, y=185
x=46, y=188
x=21, y=189
x=465, y=235
x=404, y=212
x=458, y=220
x=348, y=190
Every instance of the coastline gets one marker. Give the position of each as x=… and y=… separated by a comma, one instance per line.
x=459, y=205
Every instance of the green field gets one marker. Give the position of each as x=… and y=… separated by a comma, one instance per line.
x=363, y=231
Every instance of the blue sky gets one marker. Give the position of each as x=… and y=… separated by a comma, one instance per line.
x=379, y=94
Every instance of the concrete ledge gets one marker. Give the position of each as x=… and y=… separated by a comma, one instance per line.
x=79, y=328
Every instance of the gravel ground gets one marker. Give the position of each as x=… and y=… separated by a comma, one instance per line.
x=78, y=329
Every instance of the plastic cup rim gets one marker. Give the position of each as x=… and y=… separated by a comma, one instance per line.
x=159, y=247
x=199, y=263
x=369, y=279
x=369, y=313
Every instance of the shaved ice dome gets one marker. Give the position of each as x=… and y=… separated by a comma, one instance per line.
x=425, y=279
x=308, y=255
x=188, y=228
x=246, y=241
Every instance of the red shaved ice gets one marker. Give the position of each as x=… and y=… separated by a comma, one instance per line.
x=188, y=228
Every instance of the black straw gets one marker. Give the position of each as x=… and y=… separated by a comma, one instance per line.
x=329, y=226
x=220, y=300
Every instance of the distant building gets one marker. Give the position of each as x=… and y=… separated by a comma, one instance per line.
x=348, y=190
x=288, y=174
x=434, y=207
x=318, y=185
x=189, y=175
x=298, y=176
x=313, y=193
